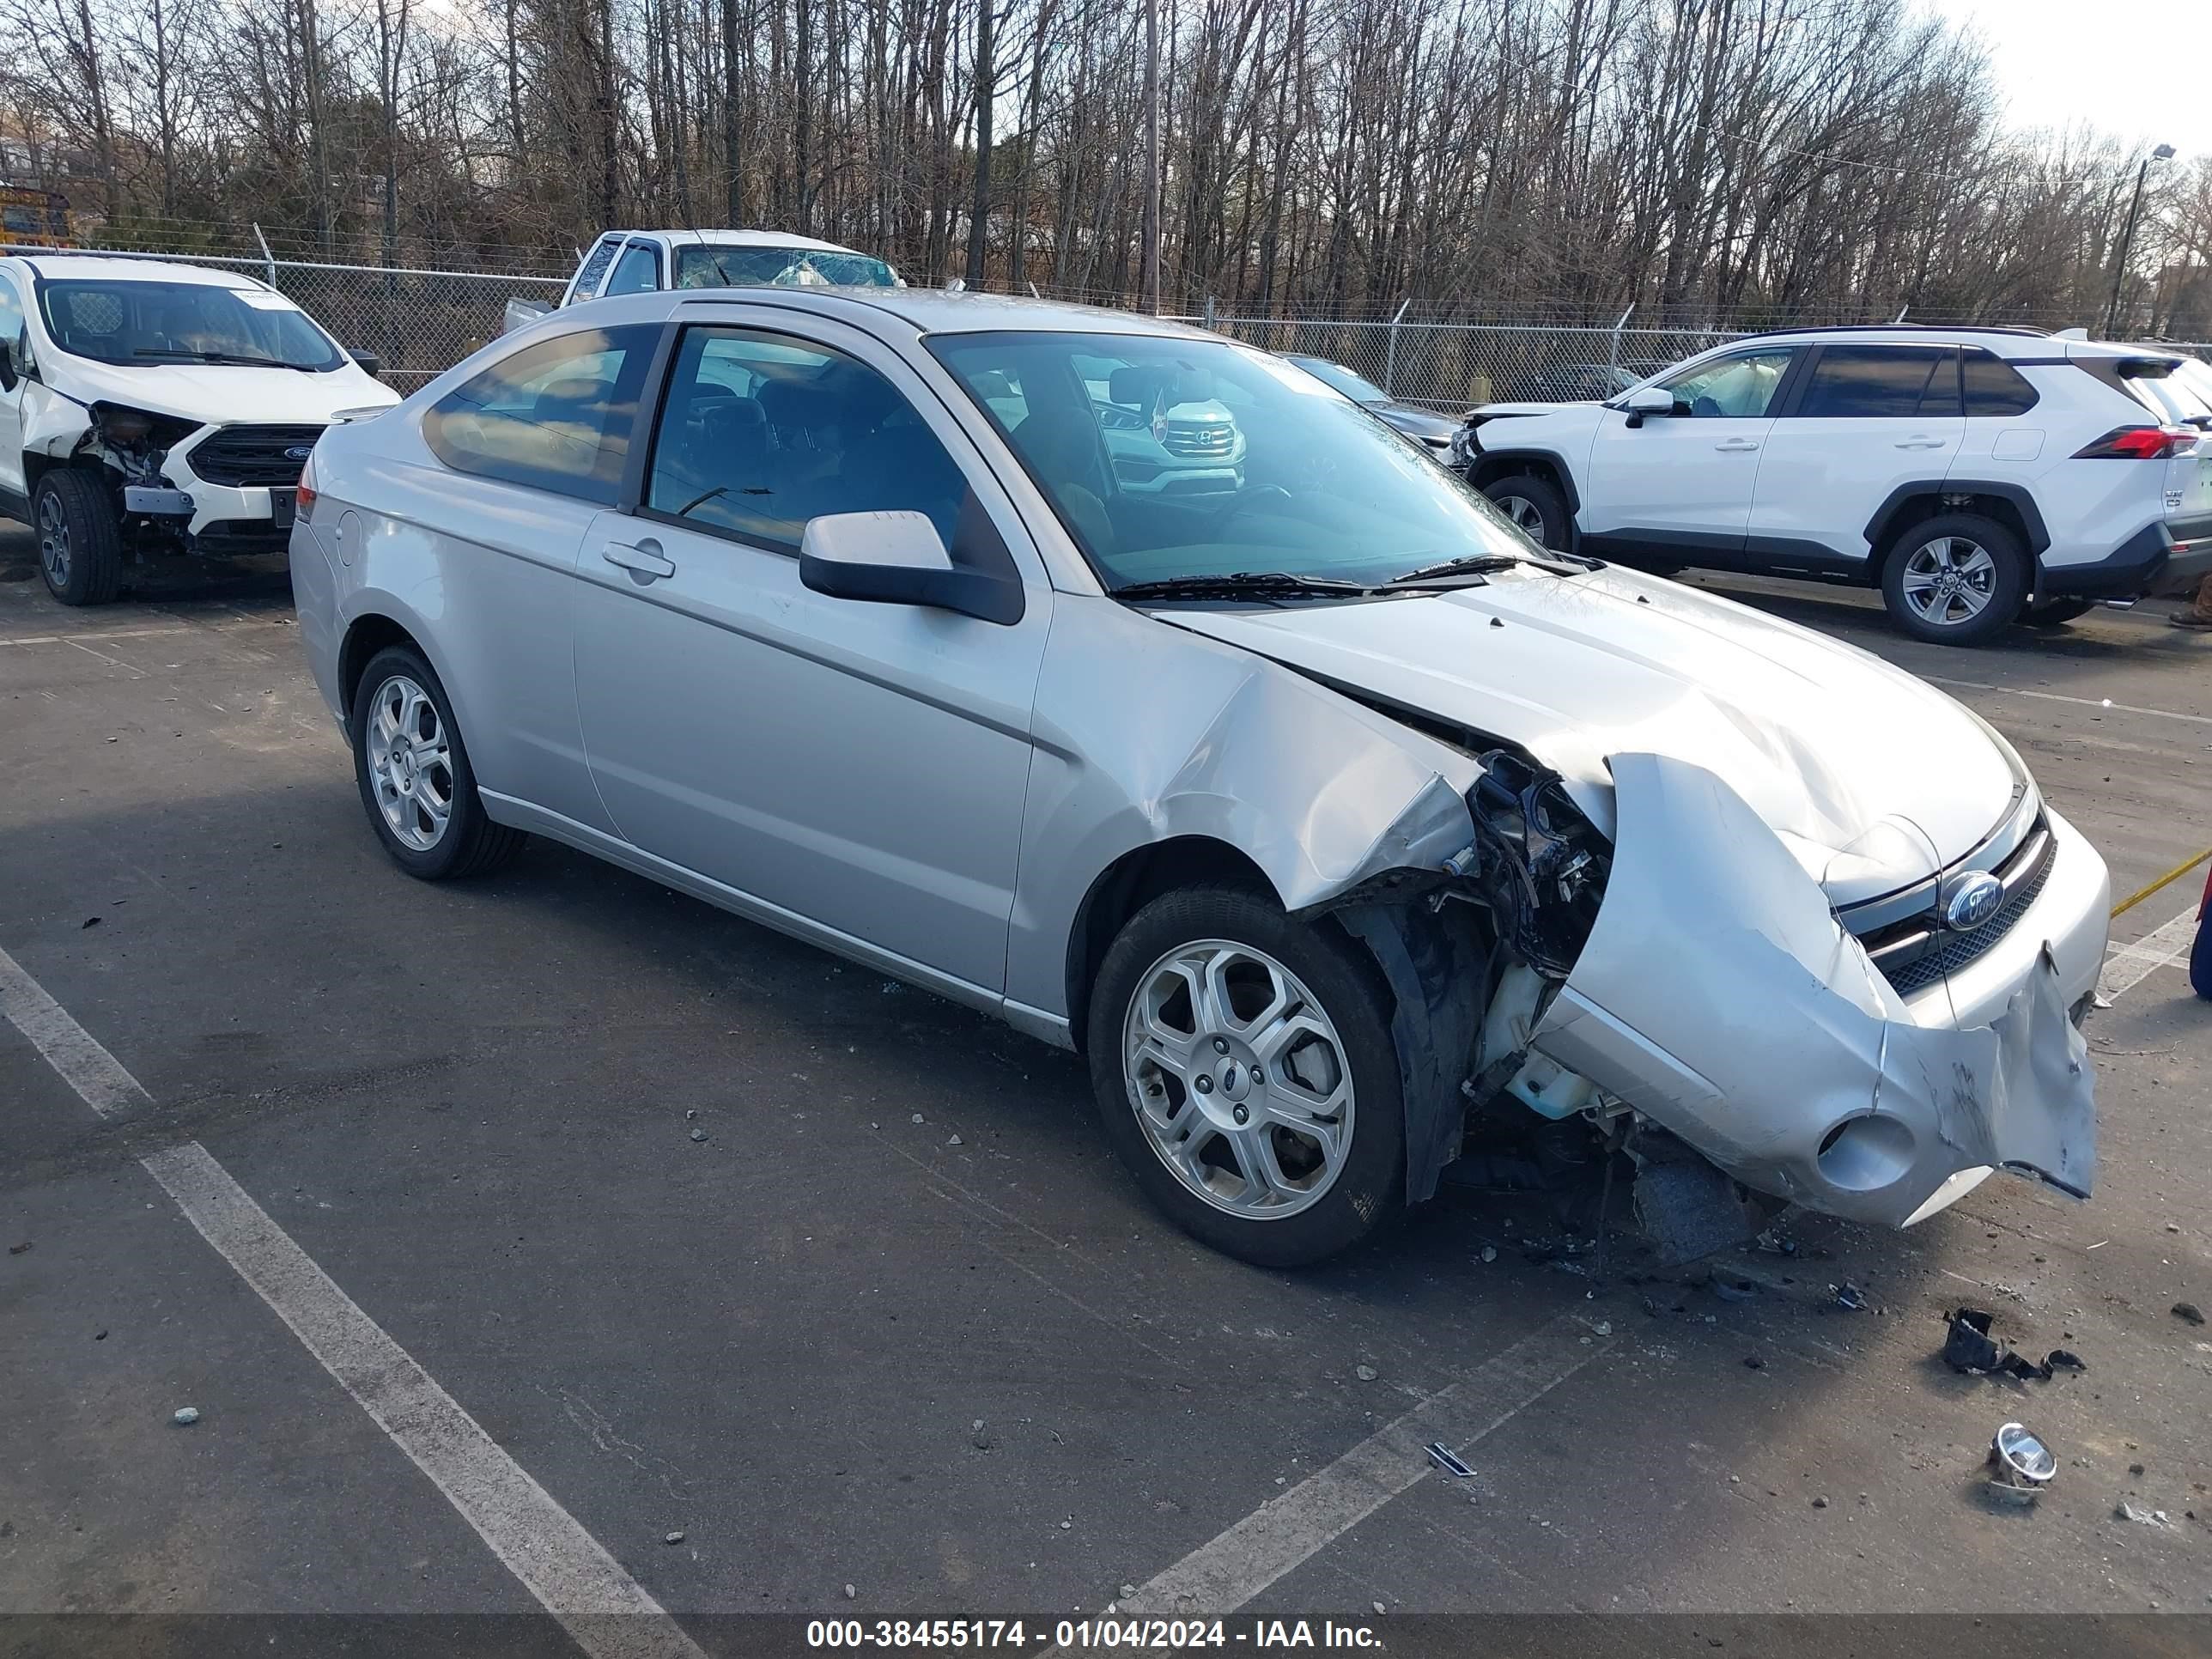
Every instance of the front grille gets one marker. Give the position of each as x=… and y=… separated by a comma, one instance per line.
x=1200, y=441
x=242, y=456
x=1916, y=953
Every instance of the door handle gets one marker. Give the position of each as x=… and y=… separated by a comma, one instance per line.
x=1922, y=443
x=643, y=560
x=1736, y=446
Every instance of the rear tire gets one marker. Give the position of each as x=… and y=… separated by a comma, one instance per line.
x=79, y=540
x=2054, y=613
x=1535, y=508
x=414, y=773
x=1956, y=579
x=1245, y=1073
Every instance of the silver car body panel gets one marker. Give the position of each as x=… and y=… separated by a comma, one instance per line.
x=941, y=797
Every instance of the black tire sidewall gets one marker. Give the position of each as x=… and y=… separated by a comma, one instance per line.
x=1370, y=1190
x=465, y=826
x=1540, y=494
x=95, y=548
x=2007, y=601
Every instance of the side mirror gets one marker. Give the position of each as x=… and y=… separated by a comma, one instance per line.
x=1646, y=402
x=898, y=558
x=370, y=363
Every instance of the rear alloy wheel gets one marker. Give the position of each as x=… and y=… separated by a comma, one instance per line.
x=1532, y=507
x=1958, y=578
x=414, y=773
x=1245, y=1073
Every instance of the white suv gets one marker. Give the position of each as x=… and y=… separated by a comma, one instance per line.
x=148, y=408
x=1978, y=476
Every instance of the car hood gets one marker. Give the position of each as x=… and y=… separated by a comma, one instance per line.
x=220, y=394
x=1873, y=778
x=1419, y=422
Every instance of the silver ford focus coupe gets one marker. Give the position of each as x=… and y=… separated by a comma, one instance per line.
x=1339, y=827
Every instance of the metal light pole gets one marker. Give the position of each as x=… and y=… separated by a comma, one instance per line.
x=2163, y=153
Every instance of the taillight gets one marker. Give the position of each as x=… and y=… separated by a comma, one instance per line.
x=2140, y=443
x=306, y=509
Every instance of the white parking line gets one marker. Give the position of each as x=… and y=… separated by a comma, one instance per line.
x=606, y=1611
x=2127, y=966
x=2084, y=702
x=1286, y=1531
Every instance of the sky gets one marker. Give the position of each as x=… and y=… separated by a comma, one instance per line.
x=2129, y=67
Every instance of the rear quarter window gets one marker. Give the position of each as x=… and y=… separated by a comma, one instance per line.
x=1994, y=386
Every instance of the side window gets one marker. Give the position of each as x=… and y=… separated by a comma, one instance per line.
x=594, y=267
x=12, y=333
x=556, y=416
x=1877, y=382
x=1739, y=387
x=1994, y=386
x=638, y=271
x=759, y=433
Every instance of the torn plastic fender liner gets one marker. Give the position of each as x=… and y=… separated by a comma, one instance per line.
x=1718, y=995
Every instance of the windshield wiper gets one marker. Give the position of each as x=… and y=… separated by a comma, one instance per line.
x=228, y=359
x=1479, y=565
x=1244, y=585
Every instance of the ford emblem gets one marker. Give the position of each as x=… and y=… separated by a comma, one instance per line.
x=1972, y=900
x=299, y=452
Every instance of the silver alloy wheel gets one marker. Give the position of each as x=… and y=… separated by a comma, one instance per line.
x=1949, y=581
x=54, y=539
x=410, y=763
x=1525, y=516
x=1238, y=1079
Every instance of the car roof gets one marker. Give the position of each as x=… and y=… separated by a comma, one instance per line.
x=739, y=238
x=2001, y=340
x=939, y=311
x=131, y=267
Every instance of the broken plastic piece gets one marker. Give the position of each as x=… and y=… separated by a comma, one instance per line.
x=1969, y=1349
x=1445, y=1461
x=2023, y=1463
x=1848, y=1295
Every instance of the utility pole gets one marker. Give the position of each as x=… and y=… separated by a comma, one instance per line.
x=2163, y=153
x=1149, y=264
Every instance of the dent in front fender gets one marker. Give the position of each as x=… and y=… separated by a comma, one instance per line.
x=1718, y=995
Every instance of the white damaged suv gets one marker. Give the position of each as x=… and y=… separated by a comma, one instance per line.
x=148, y=408
x=1976, y=476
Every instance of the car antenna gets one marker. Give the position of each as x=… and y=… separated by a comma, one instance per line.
x=712, y=264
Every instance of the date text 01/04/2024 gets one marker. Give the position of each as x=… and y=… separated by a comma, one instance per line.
x=1133, y=1634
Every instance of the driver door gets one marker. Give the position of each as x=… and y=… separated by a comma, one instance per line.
x=16, y=336
x=1679, y=488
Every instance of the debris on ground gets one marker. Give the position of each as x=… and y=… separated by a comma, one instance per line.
x=954, y=1141
x=2023, y=1463
x=1742, y=1290
x=1364, y=1373
x=1970, y=1350
x=1445, y=1459
x=1489, y=1253
x=917, y=1118
x=698, y=1134
x=1127, y=1590
x=850, y=1592
x=1850, y=1296
x=184, y=1416
x=1752, y=1362
x=2189, y=1313
x=673, y=1538
x=89, y=921
x=20, y=1249
x=2124, y=1510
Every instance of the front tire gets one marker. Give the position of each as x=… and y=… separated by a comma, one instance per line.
x=414, y=773
x=1956, y=579
x=1245, y=1073
x=79, y=539
x=1534, y=507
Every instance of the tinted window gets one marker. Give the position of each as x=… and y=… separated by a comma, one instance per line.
x=638, y=271
x=556, y=416
x=1874, y=382
x=595, y=266
x=120, y=320
x=1995, y=387
x=759, y=433
x=1739, y=387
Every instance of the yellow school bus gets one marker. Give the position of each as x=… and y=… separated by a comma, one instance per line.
x=39, y=218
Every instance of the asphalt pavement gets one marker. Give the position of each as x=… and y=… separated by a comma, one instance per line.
x=789, y=1290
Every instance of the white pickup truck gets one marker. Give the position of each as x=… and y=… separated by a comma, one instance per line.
x=639, y=261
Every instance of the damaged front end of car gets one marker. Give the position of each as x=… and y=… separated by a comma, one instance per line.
x=1684, y=993
x=125, y=448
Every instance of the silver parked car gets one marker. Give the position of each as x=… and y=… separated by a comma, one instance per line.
x=1327, y=816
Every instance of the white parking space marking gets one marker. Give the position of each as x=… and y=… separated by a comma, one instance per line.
x=2127, y=966
x=606, y=1611
x=2082, y=703
x=1282, y=1534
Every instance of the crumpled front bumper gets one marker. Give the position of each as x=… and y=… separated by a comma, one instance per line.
x=1718, y=995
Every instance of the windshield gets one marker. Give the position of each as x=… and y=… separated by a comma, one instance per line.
x=1169, y=458
x=1336, y=375
x=778, y=267
x=114, y=320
